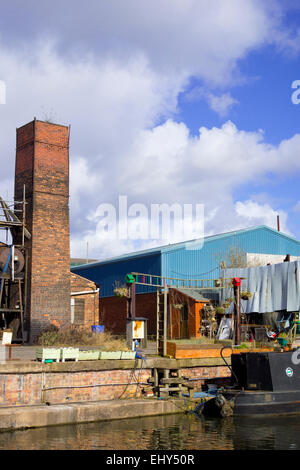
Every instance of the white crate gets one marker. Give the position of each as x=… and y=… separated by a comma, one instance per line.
x=44, y=354
x=70, y=354
x=128, y=355
x=110, y=355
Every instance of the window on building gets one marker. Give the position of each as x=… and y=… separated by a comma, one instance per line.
x=77, y=311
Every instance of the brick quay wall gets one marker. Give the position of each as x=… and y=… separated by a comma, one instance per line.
x=35, y=383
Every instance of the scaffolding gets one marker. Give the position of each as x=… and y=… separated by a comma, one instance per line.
x=13, y=267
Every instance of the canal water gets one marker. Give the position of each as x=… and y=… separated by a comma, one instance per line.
x=172, y=432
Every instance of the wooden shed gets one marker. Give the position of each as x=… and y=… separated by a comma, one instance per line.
x=185, y=306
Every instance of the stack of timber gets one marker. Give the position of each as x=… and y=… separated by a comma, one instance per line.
x=169, y=382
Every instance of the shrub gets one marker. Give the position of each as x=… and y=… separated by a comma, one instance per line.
x=74, y=335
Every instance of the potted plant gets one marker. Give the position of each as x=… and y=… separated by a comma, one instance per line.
x=282, y=339
x=226, y=304
x=220, y=310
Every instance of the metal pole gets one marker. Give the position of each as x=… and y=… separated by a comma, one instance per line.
x=21, y=310
x=132, y=300
x=237, y=311
x=13, y=263
x=23, y=218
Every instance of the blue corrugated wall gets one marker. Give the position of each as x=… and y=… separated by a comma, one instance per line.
x=178, y=262
x=203, y=263
x=107, y=274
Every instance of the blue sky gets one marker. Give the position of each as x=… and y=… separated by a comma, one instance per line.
x=169, y=101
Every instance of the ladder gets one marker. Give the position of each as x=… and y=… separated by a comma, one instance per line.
x=161, y=321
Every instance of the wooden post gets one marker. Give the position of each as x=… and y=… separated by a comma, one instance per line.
x=237, y=310
x=132, y=300
x=165, y=321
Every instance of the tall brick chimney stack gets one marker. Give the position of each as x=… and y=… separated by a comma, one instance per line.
x=42, y=164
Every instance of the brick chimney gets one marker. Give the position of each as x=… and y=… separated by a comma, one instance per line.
x=42, y=164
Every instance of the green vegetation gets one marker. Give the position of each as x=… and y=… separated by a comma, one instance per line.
x=80, y=336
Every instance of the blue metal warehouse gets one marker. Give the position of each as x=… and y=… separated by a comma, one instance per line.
x=181, y=261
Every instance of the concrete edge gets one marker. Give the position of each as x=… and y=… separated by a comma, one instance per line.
x=31, y=367
x=12, y=418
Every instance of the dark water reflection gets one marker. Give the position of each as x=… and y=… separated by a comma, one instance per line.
x=175, y=432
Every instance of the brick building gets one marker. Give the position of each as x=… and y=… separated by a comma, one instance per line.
x=84, y=301
x=42, y=165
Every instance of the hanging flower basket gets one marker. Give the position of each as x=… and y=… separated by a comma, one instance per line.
x=220, y=310
x=178, y=306
x=226, y=304
x=121, y=292
x=246, y=295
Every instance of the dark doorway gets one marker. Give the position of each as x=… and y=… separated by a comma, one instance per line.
x=184, y=322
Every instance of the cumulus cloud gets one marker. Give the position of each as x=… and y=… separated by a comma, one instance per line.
x=167, y=164
x=221, y=103
x=196, y=37
x=257, y=214
x=114, y=71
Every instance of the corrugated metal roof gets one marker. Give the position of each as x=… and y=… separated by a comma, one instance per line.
x=183, y=245
x=183, y=261
x=195, y=294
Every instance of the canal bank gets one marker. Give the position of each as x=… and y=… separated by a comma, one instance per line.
x=25, y=417
x=38, y=394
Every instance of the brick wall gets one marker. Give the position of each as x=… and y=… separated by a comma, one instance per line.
x=113, y=312
x=91, y=299
x=26, y=388
x=42, y=164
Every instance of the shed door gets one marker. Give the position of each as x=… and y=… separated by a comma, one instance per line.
x=184, y=322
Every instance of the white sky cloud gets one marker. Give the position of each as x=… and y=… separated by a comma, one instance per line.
x=222, y=103
x=257, y=214
x=115, y=73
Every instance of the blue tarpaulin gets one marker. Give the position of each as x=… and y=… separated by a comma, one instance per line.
x=275, y=287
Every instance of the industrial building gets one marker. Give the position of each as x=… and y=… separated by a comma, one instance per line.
x=254, y=246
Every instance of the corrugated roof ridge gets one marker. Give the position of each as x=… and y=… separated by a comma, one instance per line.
x=179, y=245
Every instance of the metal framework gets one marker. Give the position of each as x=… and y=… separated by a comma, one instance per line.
x=163, y=283
x=13, y=283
